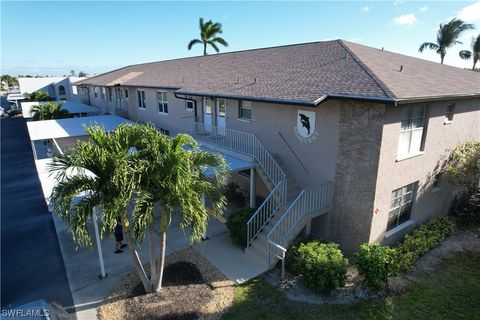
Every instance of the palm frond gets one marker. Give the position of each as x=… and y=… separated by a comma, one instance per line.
x=428, y=45
x=465, y=54
x=221, y=41
x=193, y=42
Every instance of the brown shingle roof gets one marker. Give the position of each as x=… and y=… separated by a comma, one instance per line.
x=303, y=73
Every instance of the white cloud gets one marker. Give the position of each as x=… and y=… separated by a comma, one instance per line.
x=470, y=13
x=405, y=20
x=366, y=9
x=423, y=9
x=397, y=2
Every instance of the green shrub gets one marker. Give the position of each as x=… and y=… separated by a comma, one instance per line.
x=376, y=263
x=232, y=192
x=14, y=112
x=237, y=225
x=422, y=240
x=39, y=96
x=322, y=265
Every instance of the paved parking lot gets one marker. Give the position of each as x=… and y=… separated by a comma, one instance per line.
x=32, y=266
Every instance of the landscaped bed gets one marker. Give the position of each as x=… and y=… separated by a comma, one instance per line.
x=192, y=289
x=444, y=284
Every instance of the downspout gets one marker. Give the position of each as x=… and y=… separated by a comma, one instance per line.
x=189, y=99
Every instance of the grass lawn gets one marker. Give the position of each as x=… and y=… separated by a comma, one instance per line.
x=452, y=292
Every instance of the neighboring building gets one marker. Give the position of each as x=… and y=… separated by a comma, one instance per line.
x=355, y=133
x=58, y=88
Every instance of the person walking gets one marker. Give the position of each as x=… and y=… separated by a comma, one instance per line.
x=119, y=236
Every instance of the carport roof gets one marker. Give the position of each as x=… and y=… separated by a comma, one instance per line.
x=71, y=127
x=70, y=106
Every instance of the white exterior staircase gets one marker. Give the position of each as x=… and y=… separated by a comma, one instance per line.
x=285, y=211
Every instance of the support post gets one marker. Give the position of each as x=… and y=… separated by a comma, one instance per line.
x=308, y=228
x=99, y=244
x=204, y=236
x=252, y=188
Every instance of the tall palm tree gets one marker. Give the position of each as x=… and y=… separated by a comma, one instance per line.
x=105, y=179
x=209, y=32
x=475, y=53
x=49, y=111
x=447, y=36
x=136, y=162
x=172, y=174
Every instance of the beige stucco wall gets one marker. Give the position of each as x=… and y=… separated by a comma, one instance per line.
x=393, y=174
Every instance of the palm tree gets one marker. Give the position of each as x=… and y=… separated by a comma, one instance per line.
x=105, y=179
x=475, y=53
x=447, y=36
x=111, y=173
x=49, y=111
x=171, y=173
x=209, y=36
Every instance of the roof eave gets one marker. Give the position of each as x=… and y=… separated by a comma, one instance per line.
x=437, y=98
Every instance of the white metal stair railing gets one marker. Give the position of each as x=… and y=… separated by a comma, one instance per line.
x=249, y=144
x=308, y=201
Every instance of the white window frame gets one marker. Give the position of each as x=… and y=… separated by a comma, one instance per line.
x=189, y=102
x=95, y=92
x=141, y=99
x=449, y=113
x=412, y=132
x=244, y=105
x=205, y=106
x=103, y=93
x=162, y=103
x=401, y=201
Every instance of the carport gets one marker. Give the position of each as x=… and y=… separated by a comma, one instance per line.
x=73, y=107
x=74, y=128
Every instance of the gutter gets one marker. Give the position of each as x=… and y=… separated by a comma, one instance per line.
x=437, y=98
x=188, y=99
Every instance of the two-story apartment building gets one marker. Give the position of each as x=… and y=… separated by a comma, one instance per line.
x=346, y=138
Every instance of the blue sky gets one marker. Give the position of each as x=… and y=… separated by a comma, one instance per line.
x=51, y=38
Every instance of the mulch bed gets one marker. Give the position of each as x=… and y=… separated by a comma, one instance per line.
x=192, y=289
x=460, y=242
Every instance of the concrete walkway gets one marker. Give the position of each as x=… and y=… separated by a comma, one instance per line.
x=82, y=265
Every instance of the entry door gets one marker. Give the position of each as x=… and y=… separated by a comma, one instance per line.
x=221, y=111
x=207, y=113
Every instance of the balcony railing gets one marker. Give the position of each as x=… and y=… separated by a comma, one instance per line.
x=248, y=144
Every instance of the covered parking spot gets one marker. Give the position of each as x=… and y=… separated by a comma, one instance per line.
x=73, y=107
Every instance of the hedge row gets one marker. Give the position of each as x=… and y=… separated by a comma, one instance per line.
x=323, y=266
x=376, y=262
x=422, y=240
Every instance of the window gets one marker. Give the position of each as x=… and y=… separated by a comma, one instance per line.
x=141, y=99
x=61, y=90
x=411, y=133
x=221, y=107
x=436, y=182
x=401, y=206
x=104, y=92
x=126, y=93
x=109, y=94
x=189, y=105
x=449, y=113
x=95, y=92
x=245, y=110
x=208, y=106
x=162, y=101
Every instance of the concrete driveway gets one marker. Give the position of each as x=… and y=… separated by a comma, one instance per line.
x=32, y=265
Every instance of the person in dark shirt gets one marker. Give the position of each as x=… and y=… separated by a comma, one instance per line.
x=119, y=236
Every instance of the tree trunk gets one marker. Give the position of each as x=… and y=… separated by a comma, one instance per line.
x=163, y=244
x=135, y=258
x=442, y=56
x=204, y=49
x=474, y=63
x=153, y=259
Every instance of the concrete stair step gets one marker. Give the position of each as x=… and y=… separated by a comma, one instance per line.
x=255, y=256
